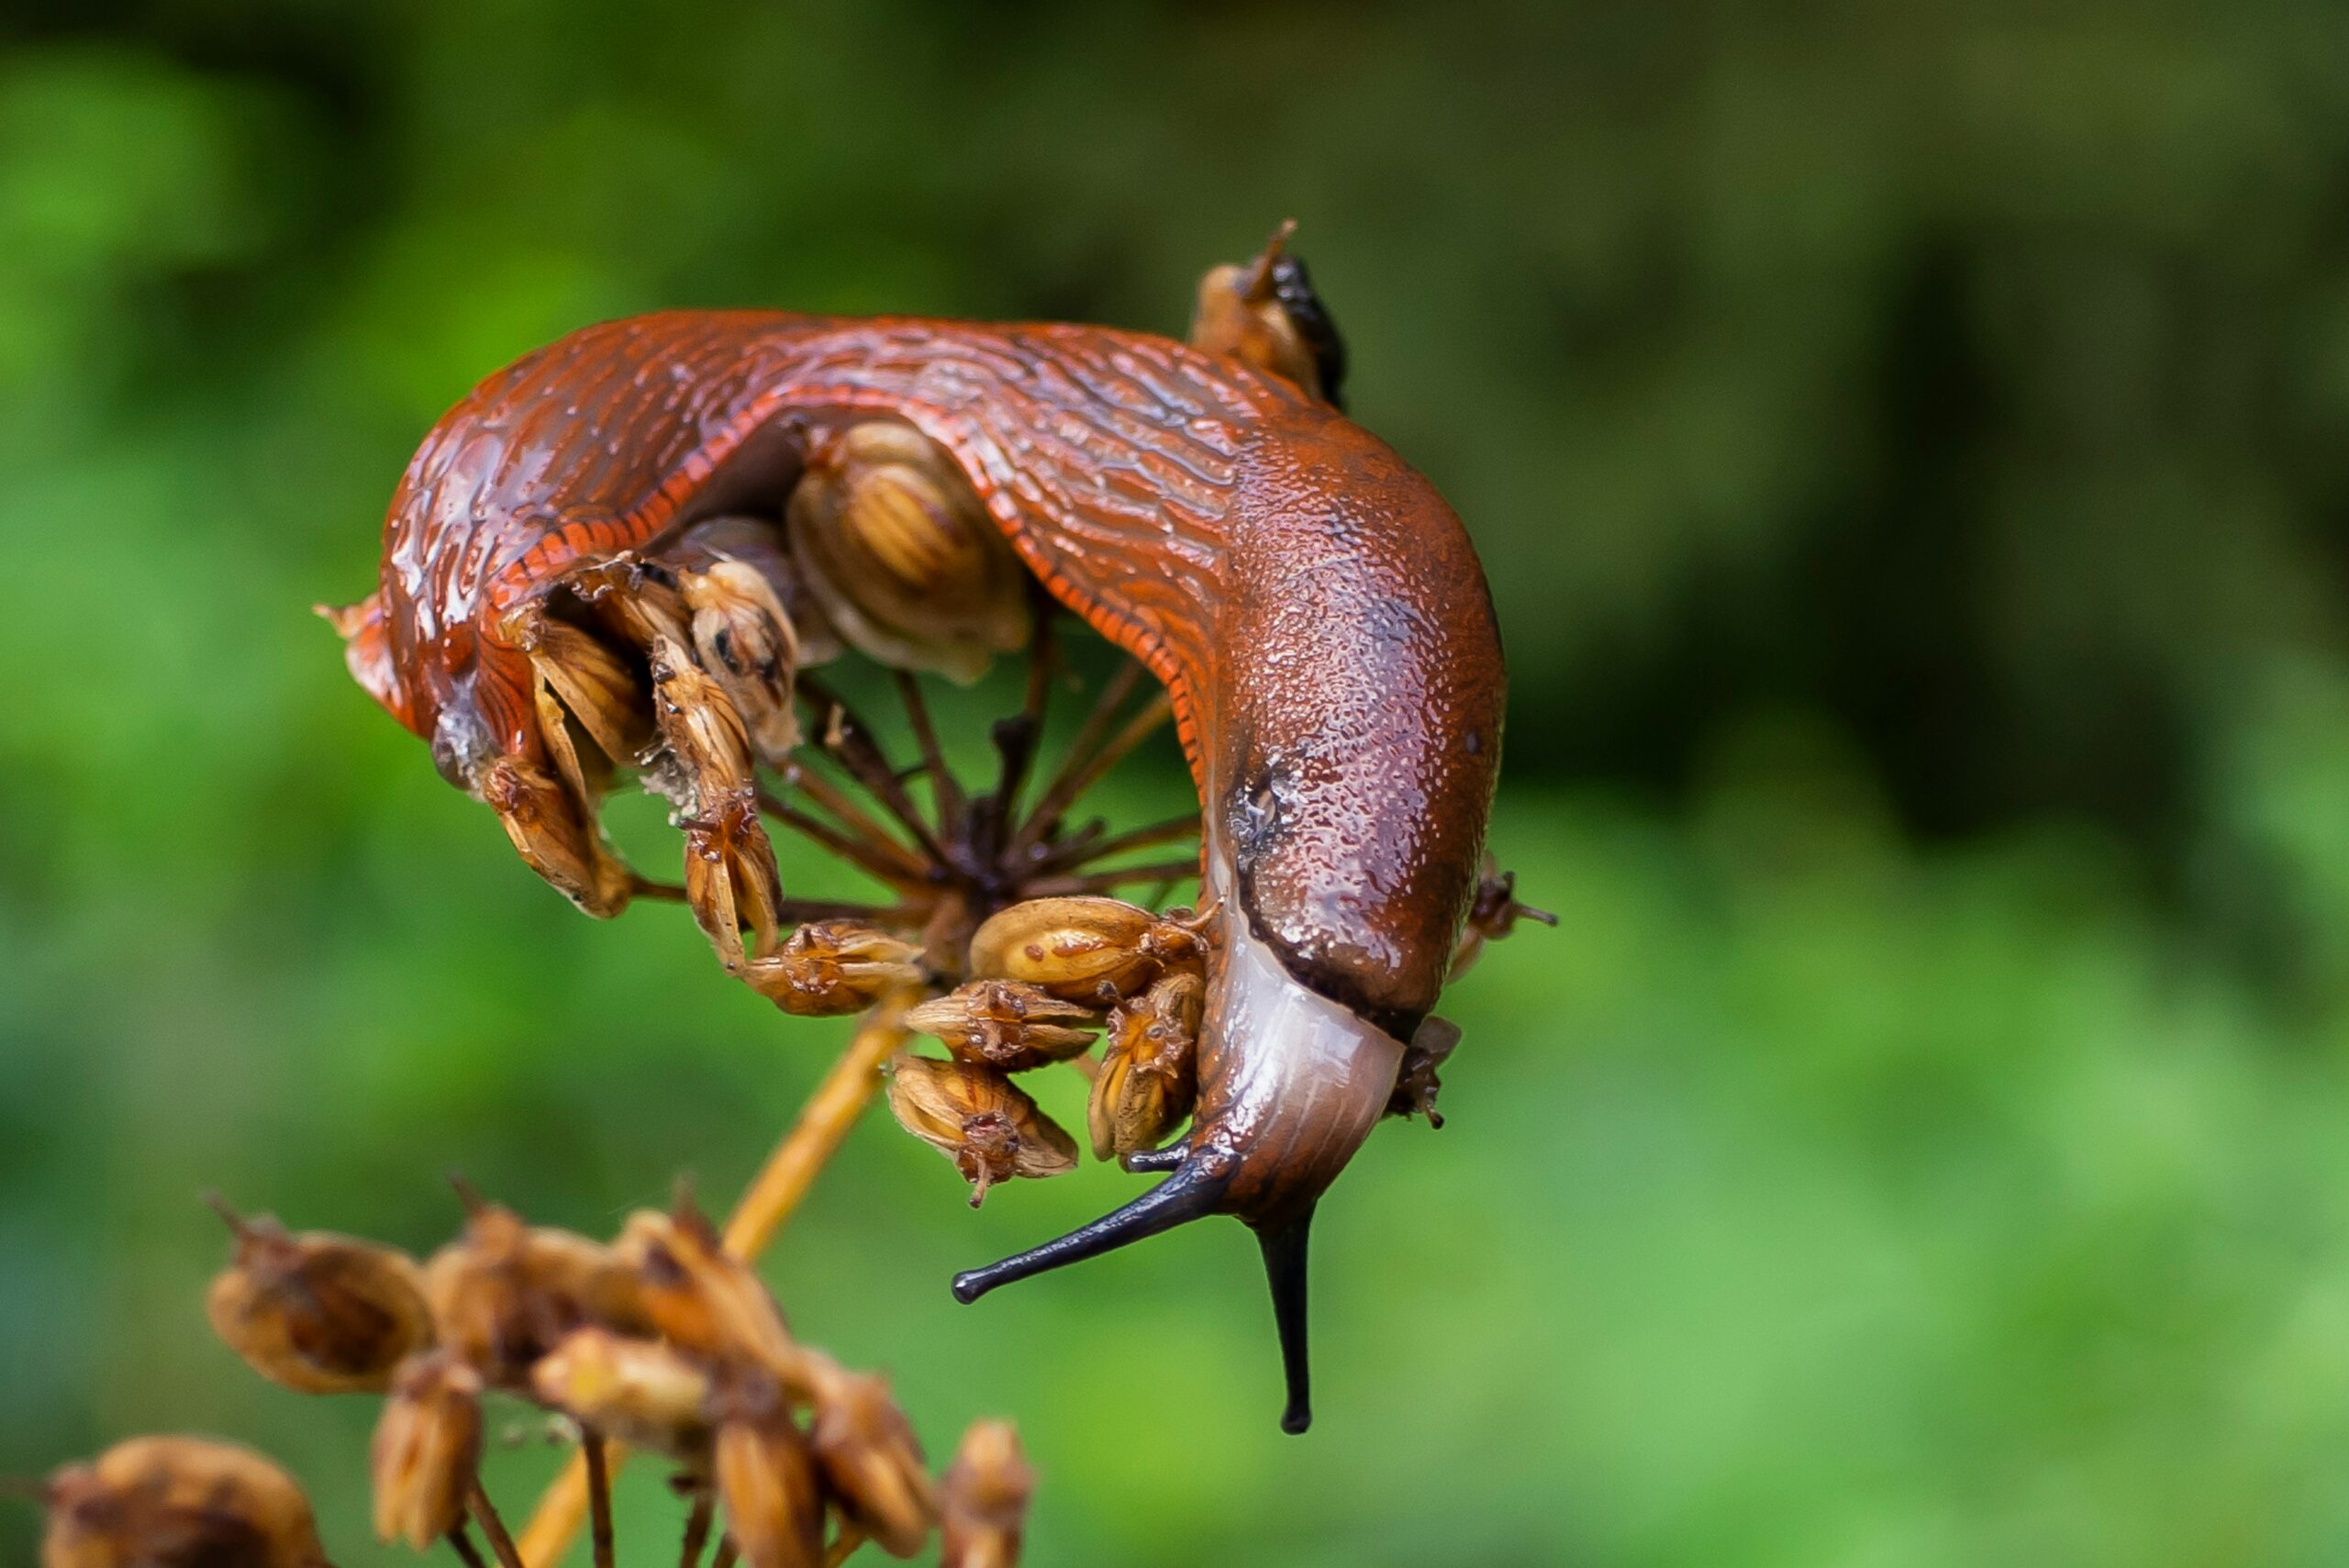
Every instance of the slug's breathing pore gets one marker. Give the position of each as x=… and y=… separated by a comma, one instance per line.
x=623, y=552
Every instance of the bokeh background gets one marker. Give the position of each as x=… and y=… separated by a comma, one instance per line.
x=1909, y=445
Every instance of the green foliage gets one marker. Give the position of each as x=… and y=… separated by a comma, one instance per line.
x=1907, y=440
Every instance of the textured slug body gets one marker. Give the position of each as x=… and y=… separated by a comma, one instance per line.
x=1312, y=604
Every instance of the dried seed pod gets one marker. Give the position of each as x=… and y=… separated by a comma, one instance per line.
x=638, y=1391
x=703, y=1300
x=750, y=647
x=905, y=559
x=1093, y=950
x=872, y=1462
x=767, y=1480
x=599, y=689
x=1149, y=1076
x=706, y=772
x=427, y=1449
x=178, y=1502
x=827, y=968
x=1266, y=314
x=1417, y=1084
x=759, y=543
x=318, y=1313
x=541, y=816
x=1494, y=914
x=1006, y=1025
x=983, y=1505
x=504, y=1293
x=975, y=1116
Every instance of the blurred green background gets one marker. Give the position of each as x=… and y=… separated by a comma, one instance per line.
x=1909, y=443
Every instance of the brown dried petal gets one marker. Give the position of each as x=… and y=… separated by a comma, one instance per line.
x=541, y=816
x=750, y=647
x=504, y=1293
x=978, y=1119
x=318, y=1313
x=982, y=1505
x=178, y=1502
x=598, y=688
x=1086, y=949
x=767, y=1481
x=731, y=876
x=638, y=1391
x=427, y=1449
x=703, y=1300
x=1006, y=1023
x=828, y=968
x=872, y=1462
x=1149, y=1079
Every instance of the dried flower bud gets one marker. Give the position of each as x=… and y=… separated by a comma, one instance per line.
x=872, y=1462
x=830, y=967
x=902, y=555
x=541, y=816
x=760, y=544
x=596, y=686
x=321, y=1314
x=767, y=1480
x=1006, y=1025
x=983, y=1505
x=703, y=1300
x=504, y=1293
x=731, y=881
x=1093, y=950
x=427, y=1449
x=1493, y=914
x=638, y=1391
x=750, y=647
x=178, y=1502
x=1417, y=1082
x=975, y=1116
x=1147, y=1079
x=1266, y=314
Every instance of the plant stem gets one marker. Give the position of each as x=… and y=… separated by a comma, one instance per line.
x=843, y=1545
x=461, y=1541
x=599, y=1494
x=824, y=1123
x=696, y=1533
x=486, y=1515
x=725, y=1552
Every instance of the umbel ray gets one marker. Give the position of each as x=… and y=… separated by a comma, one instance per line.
x=618, y=553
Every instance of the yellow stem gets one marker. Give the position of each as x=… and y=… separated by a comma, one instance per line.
x=823, y=1124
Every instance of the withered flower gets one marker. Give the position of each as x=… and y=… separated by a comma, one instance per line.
x=1417, y=1082
x=178, y=1502
x=749, y=645
x=767, y=1480
x=706, y=772
x=703, y=1300
x=1148, y=1080
x=638, y=1391
x=902, y=554
x=318, y=1313
x=1006, y=1023
x=980, y=1120
x=542, y=816
x=984, y=1504
x=1264, y=314
x=427, y=1449
x=871, y=1460
x=1494, y=914
x=1086, y=950
x=504, y=1293
x=829, y=967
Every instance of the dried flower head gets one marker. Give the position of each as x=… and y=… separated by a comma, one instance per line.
x=1087, y=950
x=1007, y=1025
x=1149, y=1077
x=767, y=1479
x=427, y=1449
x=980, y=1119
x=705, y=1302
x=638, y=1391
x=827, y=968
x=984, y=1504
x=1417, y=1082
x=871, y=1460
x=318, y=1313
x=504, y=1293
x=178, y=1502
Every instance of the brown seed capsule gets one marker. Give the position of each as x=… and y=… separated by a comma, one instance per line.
x=1006, y=1025
x=750, y=647
x=638, y=1391
x=504, y=1293
x=705, y=1302
x=871, y=1460
x=1149, y=1078
x=767, y=1480
x=983, y=1505
x=1493, y=914
x=318, y=1313
x=595, y=686
x=178, y=1502
x=1092, y=951
x=1240, y=311
x=987, y=1125
x=902, y=555
x=542, y=816
x=830, y=967
x=706, y=772
x=427, y=1449
x=1417, y=1082
x=760, y=544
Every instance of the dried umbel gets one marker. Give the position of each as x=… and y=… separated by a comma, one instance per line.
x=319, y=1313
x=828, y=968
x=984, y=1503
x=871, y=1462
x=504, y=1293
x=902, y=555
x=1008, y=1025
x=427, y=1449
x=178, y=1502
x=1149, y=1077
x=638, y=1391
x=1086, y=950
x=985, y=1123
x=767, y=1479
